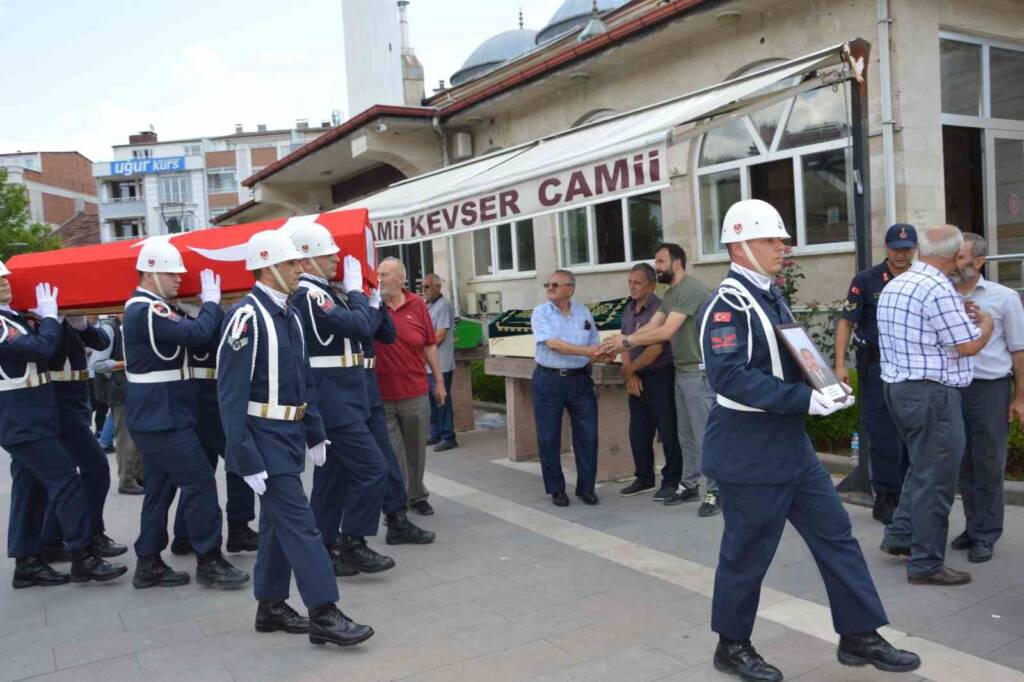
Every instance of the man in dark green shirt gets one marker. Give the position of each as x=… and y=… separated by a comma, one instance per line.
x=676, y=323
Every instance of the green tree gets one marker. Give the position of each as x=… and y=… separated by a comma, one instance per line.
x=18, y=234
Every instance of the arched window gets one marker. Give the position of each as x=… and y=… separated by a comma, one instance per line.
x=794, y=154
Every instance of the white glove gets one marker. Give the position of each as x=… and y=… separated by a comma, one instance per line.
x=210, y=284
x=46, y=301
x=257, y=482
x=822, y=406
x=78, y=322
x=375, y=298
x=353, y=278
x=318, y=453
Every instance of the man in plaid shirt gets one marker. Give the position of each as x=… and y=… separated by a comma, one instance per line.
x=927, y=336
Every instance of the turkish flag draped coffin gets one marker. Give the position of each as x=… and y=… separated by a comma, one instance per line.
x=102, y=277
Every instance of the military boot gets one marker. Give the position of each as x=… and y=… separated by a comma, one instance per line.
x=242, y=538
x=328, y=624
x=30, y=571
x=86, y=566
x=402, y=531
x=274, y=616
x=213, y=570
x=355, y=553
x=151, y=571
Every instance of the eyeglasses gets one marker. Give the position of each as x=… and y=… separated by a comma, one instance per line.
x=555, y=285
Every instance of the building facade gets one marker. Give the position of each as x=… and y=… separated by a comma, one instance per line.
x=945, y=102
x=61, y=192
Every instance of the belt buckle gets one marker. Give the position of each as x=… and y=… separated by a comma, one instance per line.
x=563, y=372
x=300, y=412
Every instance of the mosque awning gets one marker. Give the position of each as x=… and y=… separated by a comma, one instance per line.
x=613, y=157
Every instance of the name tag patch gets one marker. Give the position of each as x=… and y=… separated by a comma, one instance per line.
x=723, y=340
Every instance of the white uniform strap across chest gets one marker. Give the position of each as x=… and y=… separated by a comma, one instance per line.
x=315, y=296
x=32, y=376
x=159, y=376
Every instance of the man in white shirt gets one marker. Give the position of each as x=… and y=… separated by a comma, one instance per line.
x=988, y=407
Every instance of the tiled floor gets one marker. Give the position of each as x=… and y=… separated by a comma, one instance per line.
x=515, y=589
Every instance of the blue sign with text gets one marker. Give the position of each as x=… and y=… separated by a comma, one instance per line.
x=169, y=164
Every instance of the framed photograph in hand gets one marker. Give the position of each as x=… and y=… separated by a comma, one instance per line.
x=806, y=354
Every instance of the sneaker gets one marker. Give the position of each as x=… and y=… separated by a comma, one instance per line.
x=680, y=495
x=635, y=488
x=710, y=506
x=664, y=491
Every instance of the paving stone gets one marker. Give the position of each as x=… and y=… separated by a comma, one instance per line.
x=29, y=661
x=519, y=663
x=636, y=663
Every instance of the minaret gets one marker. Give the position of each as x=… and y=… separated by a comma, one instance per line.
x=412, y=70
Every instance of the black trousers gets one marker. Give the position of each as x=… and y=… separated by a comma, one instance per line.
x=655, y=411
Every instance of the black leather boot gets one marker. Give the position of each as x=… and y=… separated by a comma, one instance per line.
x=151, y=571
x=341, y=569
x=884, y=507
x=86, y=566
x=54, y=554
x=30, y=571
x=355, y=553
x=213, y=570
x=181, y=546
x=871, y=648
x=402, y=531
x=740, y=658
x=328, y=624
x=103, y=546
x=274, y=616
x=242, y=538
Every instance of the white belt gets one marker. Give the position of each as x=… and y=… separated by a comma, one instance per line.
x=327, y=361
x=70, y=375
x=202, y=372
x=159, y=377
x=32, y=379
x=288, y=413
x=370, y=363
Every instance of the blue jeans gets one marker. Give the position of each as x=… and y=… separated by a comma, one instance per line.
x=442, y=419
x=107, y=434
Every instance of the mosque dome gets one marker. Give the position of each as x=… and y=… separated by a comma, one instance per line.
x=574, y=14
x=494, y=51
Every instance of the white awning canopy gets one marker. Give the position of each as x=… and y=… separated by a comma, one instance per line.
x=614, y=157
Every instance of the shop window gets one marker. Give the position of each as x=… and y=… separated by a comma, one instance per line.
x=619, y=231
x=504, y=249
x=221, y=181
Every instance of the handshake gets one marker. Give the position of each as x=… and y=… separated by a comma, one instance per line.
x=607, y=350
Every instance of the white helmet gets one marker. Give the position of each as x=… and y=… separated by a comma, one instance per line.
x=752, y=219
x=159, y=255
x=313, y=239
x=3, y=269
x=268, y=248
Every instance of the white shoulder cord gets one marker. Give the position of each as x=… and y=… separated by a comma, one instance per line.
x=273, y=368
x=8, y=324
x=149, y=318
x=233, y=330
x=319, y=295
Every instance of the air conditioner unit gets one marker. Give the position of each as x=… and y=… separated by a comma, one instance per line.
x=462, y=146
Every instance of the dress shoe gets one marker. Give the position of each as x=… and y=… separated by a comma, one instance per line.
x=681, y=494
x=213, y=570
x=422, y=508
x=446, y=445
x=710, y=506
x=274, y=616
x=433, y=440
x=151, y=571
x=635, y=488
x=588, y=498
x=740, y=658
x=103, y=546
x=980, y=552
x=944, y=576
x=181, y=546
x=962, y=541
x=86, y=566
x=870, y=648
x=893, y=549
x=664, y=491
x=30, y=571
x=560, y=499
x=242, y=538
x=883, y=508
x=402, y=531
x=328, y=624
x=355, y=553
x=131, y=489
x=341, y=569
x=54, y=554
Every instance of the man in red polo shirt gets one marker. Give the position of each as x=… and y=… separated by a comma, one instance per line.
x=402, y=376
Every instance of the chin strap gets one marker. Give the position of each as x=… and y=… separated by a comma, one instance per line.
x=280, y=280
x=753, y=261
x=316, y=268
x=159, y=287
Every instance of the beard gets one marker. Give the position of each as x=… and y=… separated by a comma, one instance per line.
x=964, y=274
x=664, y=277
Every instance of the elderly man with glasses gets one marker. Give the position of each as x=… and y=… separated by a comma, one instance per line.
x=567, y=342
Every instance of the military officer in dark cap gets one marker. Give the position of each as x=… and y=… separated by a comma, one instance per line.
x=887, y=455
x=758, y=450
x=42, y=472
x=262, y=386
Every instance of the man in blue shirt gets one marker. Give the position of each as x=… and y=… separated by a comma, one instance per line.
x=567, y=340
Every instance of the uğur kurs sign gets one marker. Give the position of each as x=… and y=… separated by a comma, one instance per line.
x=625, y=174
x=101, y=277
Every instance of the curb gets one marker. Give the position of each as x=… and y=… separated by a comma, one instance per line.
x=1013, y=491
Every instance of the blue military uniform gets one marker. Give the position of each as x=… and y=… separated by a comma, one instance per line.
x=349, y=489
x=888, y=455
x=30, y=432
x=69, y=373
x=162, y=419
x=758, y=450
x=241, y=501
x=269, y=423
x=382, y=329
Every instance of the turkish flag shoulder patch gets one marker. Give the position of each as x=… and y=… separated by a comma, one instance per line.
x=722, y=317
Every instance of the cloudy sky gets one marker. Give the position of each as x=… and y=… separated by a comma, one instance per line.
x=80, y=75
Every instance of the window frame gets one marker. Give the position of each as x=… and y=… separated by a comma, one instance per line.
x=627, y=235
x=222, y=170
x=515, y=273
x=985, y=120
x=186, y=183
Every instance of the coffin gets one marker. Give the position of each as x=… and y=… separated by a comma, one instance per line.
x=101, y=277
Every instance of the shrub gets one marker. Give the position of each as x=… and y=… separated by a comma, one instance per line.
x=833, y=433
x=486, y=388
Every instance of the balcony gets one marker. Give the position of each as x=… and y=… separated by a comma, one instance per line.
x=118, y=209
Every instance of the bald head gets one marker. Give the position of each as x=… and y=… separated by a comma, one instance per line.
x=391, y=273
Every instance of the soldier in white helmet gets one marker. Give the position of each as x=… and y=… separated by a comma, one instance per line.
x=757, y=448
x=271, y=427
x=162, y=419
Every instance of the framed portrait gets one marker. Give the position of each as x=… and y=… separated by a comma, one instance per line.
x=806, y=354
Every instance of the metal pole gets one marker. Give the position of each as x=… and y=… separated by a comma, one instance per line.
x=858, y=482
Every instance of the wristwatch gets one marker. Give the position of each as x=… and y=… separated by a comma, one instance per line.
x=625, y=343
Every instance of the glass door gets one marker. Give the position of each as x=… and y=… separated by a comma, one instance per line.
x=1004, y=184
